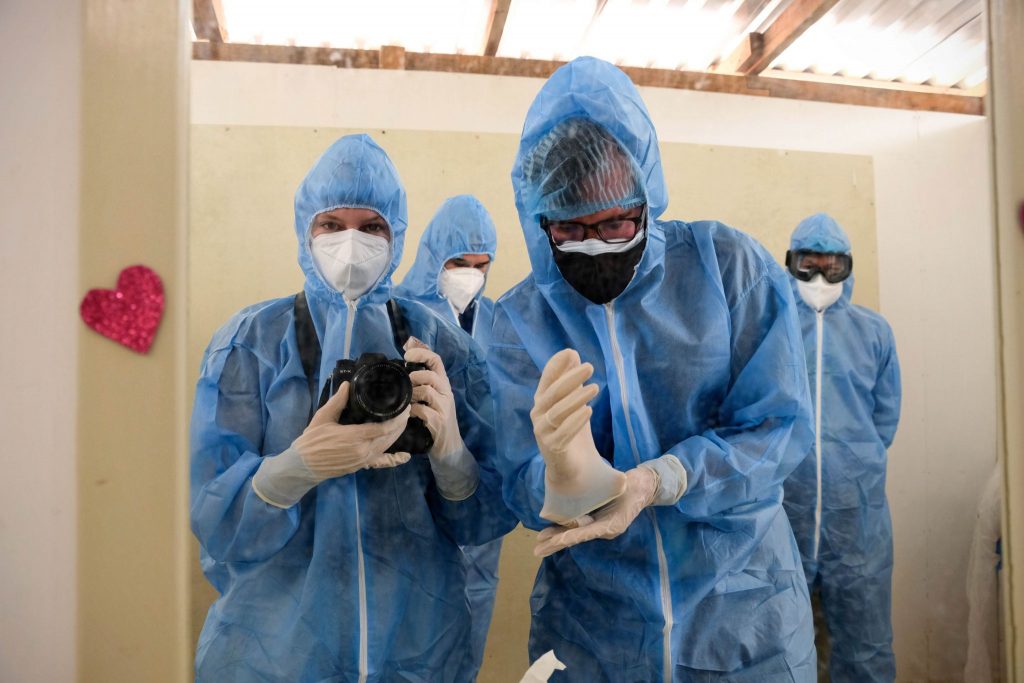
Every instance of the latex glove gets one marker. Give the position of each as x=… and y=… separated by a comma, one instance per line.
x=577, y=479
x=642, y=484
x=326, y=449
x=455, y=470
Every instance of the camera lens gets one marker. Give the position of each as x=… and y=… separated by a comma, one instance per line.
x=382, y=390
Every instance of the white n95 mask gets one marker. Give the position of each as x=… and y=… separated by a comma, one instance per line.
x=818, y=293
x=351, y=261
x=460, y=286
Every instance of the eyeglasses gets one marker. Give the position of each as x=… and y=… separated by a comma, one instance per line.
x=804, y=265
x=613, y=231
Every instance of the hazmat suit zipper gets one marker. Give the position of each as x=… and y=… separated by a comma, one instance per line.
x=364, y=650
x=666, y=590
x=819, y=317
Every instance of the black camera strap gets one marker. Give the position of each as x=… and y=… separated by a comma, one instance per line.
x=399, y=330
x=309, y=348
x=309, y=343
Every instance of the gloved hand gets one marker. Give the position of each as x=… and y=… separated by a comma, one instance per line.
x=330, y=449
x=433, y=401
x=577, y=479
x=455, y=470
x=642, y=485
x=326, y=449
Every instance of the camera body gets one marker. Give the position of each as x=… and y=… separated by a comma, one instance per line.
x=379, y=390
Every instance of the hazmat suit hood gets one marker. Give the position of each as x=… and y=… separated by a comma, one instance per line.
x=821, y=232
x=354, y=172
x=596, y=91
x=461, y=226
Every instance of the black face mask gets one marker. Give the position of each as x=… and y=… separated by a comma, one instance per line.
x=599, y=278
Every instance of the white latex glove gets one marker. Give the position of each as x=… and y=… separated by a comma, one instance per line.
x=326, y=449
x=454, y=467
x=642, y=484
x=577, y=479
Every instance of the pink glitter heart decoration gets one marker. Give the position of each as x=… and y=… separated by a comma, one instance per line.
x=129, y=314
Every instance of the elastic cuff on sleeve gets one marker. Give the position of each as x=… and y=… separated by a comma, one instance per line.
x=673, y=479
x=456, y=475
x=283, y=479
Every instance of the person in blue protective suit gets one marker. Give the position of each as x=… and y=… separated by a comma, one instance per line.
x=335, y=554
x=836, y=497
x=669, y=462
x=454, y=256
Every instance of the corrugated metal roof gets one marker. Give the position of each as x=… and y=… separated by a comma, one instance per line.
x=935, y=42
x=931, y=42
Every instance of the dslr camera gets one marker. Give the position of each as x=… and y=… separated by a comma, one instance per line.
x=379, y=390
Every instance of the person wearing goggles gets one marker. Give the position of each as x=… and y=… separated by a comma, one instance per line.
x=804, y=264
x=836, y=498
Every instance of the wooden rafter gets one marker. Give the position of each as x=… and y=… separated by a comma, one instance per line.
x=495, y=26
x=758, y=50
x=208, y=21
x=760, y=86
x=392, y=57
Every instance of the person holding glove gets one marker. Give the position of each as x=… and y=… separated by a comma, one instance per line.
x=650, y=381
x=453, y=259
x=309, y=529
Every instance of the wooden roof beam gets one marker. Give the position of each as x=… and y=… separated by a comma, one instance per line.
x=208, y=21
x=392, y=57
x=495, y=26
x=761, y=86
x=759, y=50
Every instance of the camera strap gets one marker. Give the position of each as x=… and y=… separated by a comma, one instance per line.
x=399, y=330
x=309, y=348
x=309, y=343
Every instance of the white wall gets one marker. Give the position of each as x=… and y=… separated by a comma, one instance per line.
x=934, y=223
x=39, y=151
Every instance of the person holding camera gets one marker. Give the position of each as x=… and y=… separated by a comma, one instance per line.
x=448, y=276
x=334, y=550
x=650, y=378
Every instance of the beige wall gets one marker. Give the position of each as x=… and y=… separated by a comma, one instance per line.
x=242, y=246
x=132, y=488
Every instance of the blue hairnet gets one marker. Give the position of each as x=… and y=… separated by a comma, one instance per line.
x=593, y=90
x=578, y=168
x=820, y=232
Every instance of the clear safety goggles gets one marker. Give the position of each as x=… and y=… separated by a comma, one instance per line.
x=804, y=265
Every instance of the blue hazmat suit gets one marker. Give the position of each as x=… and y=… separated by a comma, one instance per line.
x=698, y=357
x=461, y=226
x=845, y=534
x=362, y=579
